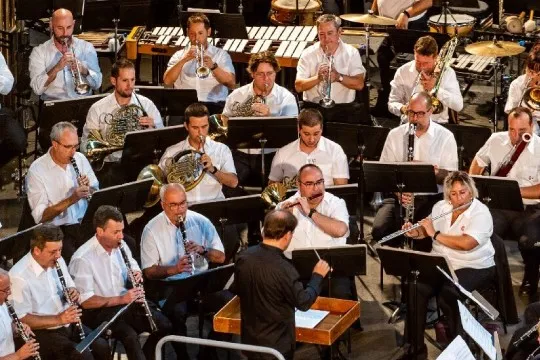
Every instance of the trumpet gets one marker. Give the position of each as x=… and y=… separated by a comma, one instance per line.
x=326, y=101
x=202, y=71
x=81, y=86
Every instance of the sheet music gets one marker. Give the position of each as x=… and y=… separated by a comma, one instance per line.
x=457, y=349
x=477, y=332
x=309, y=319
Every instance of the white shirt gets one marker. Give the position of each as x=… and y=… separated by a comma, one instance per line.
x=160, y=246
x=97, y=118
x=392, y=8
x=45, y=56
x=476, y=221
x=7, y=346
x=347, y=62
x=280, y=101
x=35, y=290
x=437, y=147
x=403, y=87
x=209, y=188
x=6, y=77
x=208, y=89
x=515, y=94
x=328, y=155
x=96, y=272
x=526, y=169
x=47, y=184
x=307, y=234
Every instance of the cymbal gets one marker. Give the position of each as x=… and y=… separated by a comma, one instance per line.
x=368, y=19
x=494, y=48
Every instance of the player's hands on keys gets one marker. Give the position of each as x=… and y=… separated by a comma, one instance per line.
x=322, y=268
x=134, y=294
x=184, y=264
x=412, y=233
x=427, y=224
x=260, y=109
x=71, y=315
x=28, y=350
x=190, y=54
x=74, y=295
x=147, y=121
x=193, y=247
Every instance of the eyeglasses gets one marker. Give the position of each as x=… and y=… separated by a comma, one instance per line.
x=265, y=74
x=173, y=206
x=412, y=113
x=313, y=184
x=69, y=147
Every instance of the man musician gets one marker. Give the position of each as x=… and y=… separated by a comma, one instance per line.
x=526, y=171
x=121, y=105
x=182, y=68
x=39, y=299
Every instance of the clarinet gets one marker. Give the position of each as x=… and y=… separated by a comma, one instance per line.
x=182, y=228
x=19, y=326
x=70, y=302
x=135, y=283
x=78, y=174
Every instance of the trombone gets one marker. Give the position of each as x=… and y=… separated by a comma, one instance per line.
x=531, y=95
x=326, y=101
x=202, y=71
x=81, y=86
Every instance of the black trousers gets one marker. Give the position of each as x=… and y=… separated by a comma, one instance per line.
x=59, y=344
x=129, y=325
x=12, y=136
x=521, y=352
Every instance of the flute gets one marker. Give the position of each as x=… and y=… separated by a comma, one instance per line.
x=19, y=326
x=298, y=202
x=70, y=302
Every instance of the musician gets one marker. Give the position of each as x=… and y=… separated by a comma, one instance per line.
x=52, y=62
x=101, y=277
x=526, y=170
x=464, y=237
x=432, y=144
x=527, y=345
x=409, y=14
x=102, y=117
x=57, y=192
x=216, y=157
x=36, y=297
x=7, y=346
x=311, y=148
x=182, y=68
x=270, y=289
x=419, y=75
x=346, y=75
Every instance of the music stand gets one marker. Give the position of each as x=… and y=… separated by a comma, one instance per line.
x=228, y=26
x=499, y=192
x=347, y=260
x=169, y=101
x=254, y=132
x=404, y=40
x=145, y=147
x=101, y=14
x=39, y=9
x=469, y=140
x=15, y=246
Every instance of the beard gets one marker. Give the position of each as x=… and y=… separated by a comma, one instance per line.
x=124, y=94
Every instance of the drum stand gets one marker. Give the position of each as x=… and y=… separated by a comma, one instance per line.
x=498, y=67
x=445, y=12
x=367, y=81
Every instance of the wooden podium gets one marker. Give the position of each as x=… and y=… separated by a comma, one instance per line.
x=342, y=315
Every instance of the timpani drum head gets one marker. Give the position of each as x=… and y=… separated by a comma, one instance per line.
x=451, y=20
x=303, y=5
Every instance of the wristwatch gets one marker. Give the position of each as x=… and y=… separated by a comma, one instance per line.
x=214, y=171
x=435, y=235
x=407, y=14
x=205, y=251
x=311, y=212
x=340, y=78
x=214, y=67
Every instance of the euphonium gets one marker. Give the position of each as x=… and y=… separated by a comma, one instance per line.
x=275, y=193
x=81, y=86
x=326, y=101
x=202, y=71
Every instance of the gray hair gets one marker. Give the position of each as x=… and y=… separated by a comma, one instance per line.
x=166, y=187
x=59, y=128
x=463, y=178
x=325, y=18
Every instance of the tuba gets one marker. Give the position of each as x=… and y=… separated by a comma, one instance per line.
x=202, y=71
x=275, y=193
x=81, y=86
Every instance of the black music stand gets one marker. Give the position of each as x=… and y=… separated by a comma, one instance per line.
x=403, y=40
x=101, y=14
x=469, y=140
x=128, y=197
x=39, y=9
x=146, y=147
x=229, y=26
x=15, y=246
x=403, y=263
x=169, y=101
x=261, y=132
x=499, y=193
x=347, y=260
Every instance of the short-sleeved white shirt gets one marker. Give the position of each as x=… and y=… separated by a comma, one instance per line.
x=7, y=346
x=392, y=8
x=515, y=95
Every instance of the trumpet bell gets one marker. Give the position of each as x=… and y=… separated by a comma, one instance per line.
x=152, y=172
x=202, y=72
x=327, y=103
x=531, y=98
x=436, y=105
x=82, y=88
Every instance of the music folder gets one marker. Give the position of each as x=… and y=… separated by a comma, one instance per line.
x=346, y=260
x=499, y=192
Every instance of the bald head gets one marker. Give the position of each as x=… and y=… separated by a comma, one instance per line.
x=61, y=14
x=422, y=98
x=62, y=24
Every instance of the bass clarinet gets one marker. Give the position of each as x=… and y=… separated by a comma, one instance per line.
x=70, y=302
x=136, y=284
x=19, y=326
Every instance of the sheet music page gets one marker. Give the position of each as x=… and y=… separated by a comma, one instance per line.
x=477, y=332
x=309, y=319
x=457, y=349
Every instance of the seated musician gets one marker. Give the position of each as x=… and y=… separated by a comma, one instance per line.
x=464, y=237
x=7, y=345
x=270, y=289
x=526, y=170
x=432, y=144
x=107, y=114
x=346, y=75
x=418, y=75
x=409, y=14
x=57, y=190
x=37, y=294
x=323, y=221
x=101, y=276
x=311, y=148
x=527, y=345
x=182, y=68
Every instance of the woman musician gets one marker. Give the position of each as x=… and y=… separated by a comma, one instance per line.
x=463, y=236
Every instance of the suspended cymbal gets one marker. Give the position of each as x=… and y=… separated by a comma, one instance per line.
x=494, y=48
x=369, y=19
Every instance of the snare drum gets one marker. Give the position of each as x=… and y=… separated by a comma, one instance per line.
x=283, y=12
x=463, y=23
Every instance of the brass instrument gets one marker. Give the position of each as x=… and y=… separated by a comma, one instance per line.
x=531, y=96
x=326, y=84
x=81, y=86
x=154, y=172
x=19, y=327
x=275, y=193
x=202, y=71
x=68, y=299
x=245, y=109
x=78, y=174
x=218, y=127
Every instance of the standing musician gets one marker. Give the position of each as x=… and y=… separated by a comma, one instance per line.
x=311, y=148
x=418, y=75
x=184, y=66
x=101, y=276
x=431, y=143
x=52, y=63
x=409, y=14
x=464, y=237
x=105, y=114
x=7, y=346
x=57, y=190
x=346, y=75
x=526, y=170
x=39, y=298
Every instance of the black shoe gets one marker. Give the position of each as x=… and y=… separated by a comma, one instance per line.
x=525, y=287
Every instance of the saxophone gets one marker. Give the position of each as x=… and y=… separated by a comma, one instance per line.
x=19, y=326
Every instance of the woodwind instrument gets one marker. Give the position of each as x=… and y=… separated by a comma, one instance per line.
x=182, y=227
x=19, y=327
x=409, y=209
x=78, y=174
x=298, y=202
x=511, y=158
x=70, y=302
